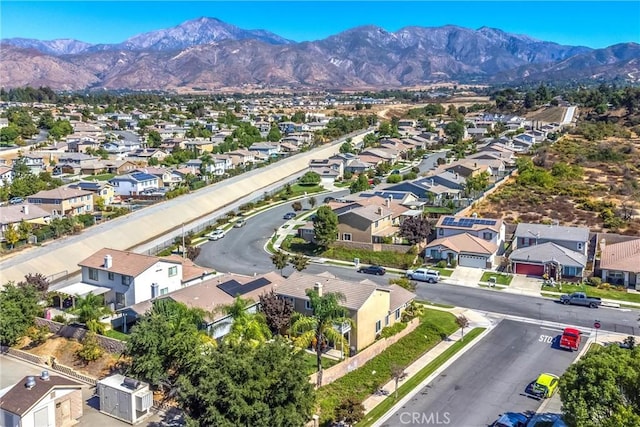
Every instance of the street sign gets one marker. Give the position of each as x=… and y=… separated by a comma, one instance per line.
x=596, y=324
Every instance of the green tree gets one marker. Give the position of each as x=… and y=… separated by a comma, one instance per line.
x=455, y=131
x=347, y=147
x=18, y=310
x=350, y=411
x=280, y=260
x=24, y=229
x=90, y=307
x=312, y=202
x=602, y=389
x=299, y=262
x=325, y=226
x=361, y=184
x=11, y=236
x=317, y=330
x=38, y=281
x=296, y=206
x=90, y=350
x=60, y=129
x=262, y=386
x=274, y=134
x=247, y=328
x=477, y=183
x=310, y=178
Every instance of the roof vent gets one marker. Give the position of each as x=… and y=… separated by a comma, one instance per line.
x=131, y=383
x=31, y=382
x=108, y=261
x=44, y=375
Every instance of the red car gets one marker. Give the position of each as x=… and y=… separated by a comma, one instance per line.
x=570, y=339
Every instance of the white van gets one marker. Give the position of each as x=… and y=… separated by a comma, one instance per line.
x=424, y=275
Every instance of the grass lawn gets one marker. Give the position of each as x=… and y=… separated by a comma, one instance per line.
x=434, y=304
x=444, y=272
x=438, y=209
x=501, y=278
x=360, y=383
x=112, y=333
x=101, y=177
x=310, y=362
x=343, y=184
x=592, y=291
x=385, y=258
x=414, y=381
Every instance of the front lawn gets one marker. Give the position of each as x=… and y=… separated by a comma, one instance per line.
x=438, y=210
x=501, y=278
x=592, y=291
x=310, y=362
x=444, y=272
x=392, y=259
x=101, y=177
x=361, y=383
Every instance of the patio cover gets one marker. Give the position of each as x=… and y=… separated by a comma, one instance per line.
x=82, y=289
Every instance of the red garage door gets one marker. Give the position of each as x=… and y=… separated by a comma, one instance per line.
x=530, y=269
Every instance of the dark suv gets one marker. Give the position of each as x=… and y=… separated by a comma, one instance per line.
x=373, y=269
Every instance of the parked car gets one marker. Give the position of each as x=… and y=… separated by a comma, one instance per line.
x=580, y=298
x=15, y=200
x=289, y=215
x=511, y=419
x=329, y=199
x=570, y=339
x=373, y=269
x=424, y=275
x=216, y=234
x=545, y=386
x=240, y=223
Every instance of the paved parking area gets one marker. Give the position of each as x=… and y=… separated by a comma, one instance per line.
x=13, y=370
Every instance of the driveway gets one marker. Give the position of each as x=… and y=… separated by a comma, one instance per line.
x=525, y=284
x=466, y=275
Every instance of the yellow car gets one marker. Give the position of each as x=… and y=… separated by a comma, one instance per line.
x=545, y=386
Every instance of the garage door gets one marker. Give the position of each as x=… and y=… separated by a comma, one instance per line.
x=530, y=269
x=472, y=261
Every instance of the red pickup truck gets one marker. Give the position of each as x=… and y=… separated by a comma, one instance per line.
x=570, y=339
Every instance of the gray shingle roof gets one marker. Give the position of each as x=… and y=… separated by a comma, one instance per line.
x=548, y=252
x=552, y=232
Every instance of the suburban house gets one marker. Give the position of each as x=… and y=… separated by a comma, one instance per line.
x=213, y=294
x=116, y=167
x=198, y=146
x=468, y=168
x=36, y=162
x=6, y=175
x=101, y=189
x=122, y=146
x=379, y=155
x=470, y=241
x=265, y=148
x=428, y=189
x=45, y=400
x=146, y=154
x=241, y=157
x=134, y=183
x=620, y=261
x=372, y=307
x=127, y=278
x=63, y=201
x=328, y=169
x=555, y=250
x=13, y=215
x=220, y=164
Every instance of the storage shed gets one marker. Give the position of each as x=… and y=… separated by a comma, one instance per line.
x=125, y=398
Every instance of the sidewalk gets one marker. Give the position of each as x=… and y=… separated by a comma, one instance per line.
x=475, y=320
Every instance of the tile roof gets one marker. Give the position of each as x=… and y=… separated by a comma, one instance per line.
x=60, y=193
x=622, y=256
x=15, y=213
x=399, y=297
x=548, y=252
x=190, y=270
x=123, y=262
x=465, y=242
x=19, y=399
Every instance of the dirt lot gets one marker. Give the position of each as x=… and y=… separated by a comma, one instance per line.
x=548, y=115
x=64, y=351
x=606, y=185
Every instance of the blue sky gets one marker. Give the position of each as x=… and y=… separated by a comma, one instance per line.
x=589, y=23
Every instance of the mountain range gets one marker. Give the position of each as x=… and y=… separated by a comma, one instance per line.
x=208, y=54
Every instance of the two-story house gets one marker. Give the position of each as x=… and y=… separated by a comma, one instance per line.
x=13, y=215
x=620, y=260
x=470, y=241
x=63, y=201
x=371, y=307
x=241, y=157
x=100, y=189
x=122, y=146
x=555, y=250
x=134, y=183
x=265, y=148
x=6, y=175
x=130, y=278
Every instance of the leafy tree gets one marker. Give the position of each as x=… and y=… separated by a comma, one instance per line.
x=415, y=229
x=296, y=206
x=277, y=312
x=247, y=328
x=394, y=178
x=299, y=262
x=397, y=372
x=38, y=334
x=18, y=310
x=325, y=226
x=166, y=342
x=274, y=134
x=60, y=129
x=361, y=184
x=24, y=229
x=90, y=307
x=280, y=260
x=602, y=389
x=463, y=322
x=38, y=281
x=90, y=350
x=347, y=147
x=312, y=202
x=193, y=252
x=261, y=386
x=11, y=236
x=350, y=411
x=154, y=139
x=455, y=131
x=317, y=330
x=310, y=178
x=477, y=183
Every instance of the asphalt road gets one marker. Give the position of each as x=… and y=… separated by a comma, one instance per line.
x=487, y=381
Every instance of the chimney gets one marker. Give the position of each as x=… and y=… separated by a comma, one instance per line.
x=108, y=261
x=379, y=210
x=388, y=202
x=25, y=209
x=318, y=288
x=603, y=243
x=44, y=375
x=31, y=382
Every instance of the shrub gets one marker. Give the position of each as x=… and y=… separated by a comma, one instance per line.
x=454, y=263
x=394, y=179
x=38, y=334
x=595, y=281
x=403, y=282
x=604, y=286
x=441, y=264
x=60, y=318
x=389, y=331
x=90, y=349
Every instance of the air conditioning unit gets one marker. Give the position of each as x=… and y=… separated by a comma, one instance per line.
x=144, y=401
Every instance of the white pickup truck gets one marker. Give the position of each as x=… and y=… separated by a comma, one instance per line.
x=424, y=275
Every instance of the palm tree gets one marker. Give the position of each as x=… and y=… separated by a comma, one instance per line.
x=319, y=327
x=247, y=327
x=90, y=307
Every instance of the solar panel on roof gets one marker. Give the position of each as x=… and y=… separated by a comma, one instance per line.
x=235, y=288
x=232, y=287
x=253, y=285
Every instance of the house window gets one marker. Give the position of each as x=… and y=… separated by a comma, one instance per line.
x=111, y=275
x=378, y=326
x=164, y=291
x=487, y=236
x=120, y=299
x=346, y=236
x=397, y=313
x=307, y=305
x=93, y=274
x=441, y=231
x=386, y=320
x=173, y=271
x=126, y=280
x=579, y=246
